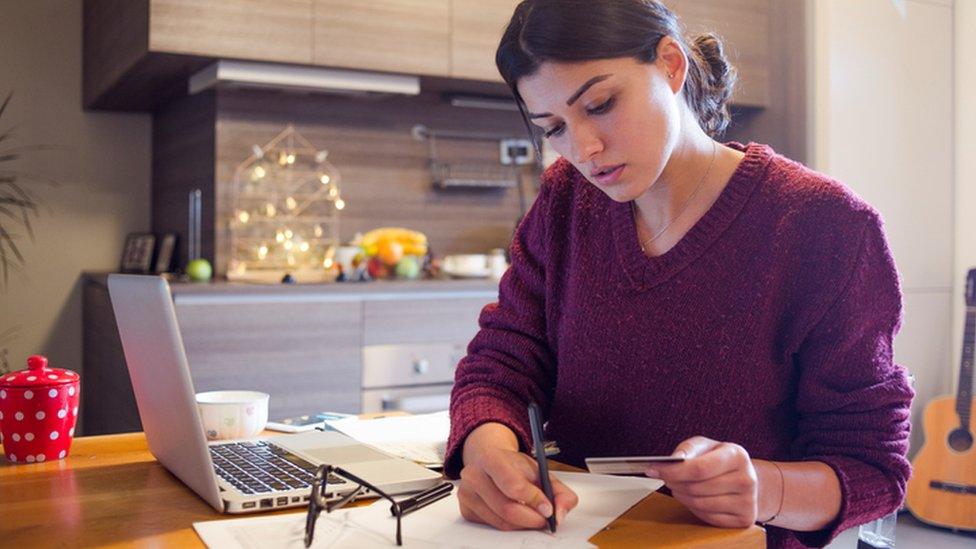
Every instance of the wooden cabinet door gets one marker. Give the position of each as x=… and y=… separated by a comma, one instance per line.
x=307, y=355
x=744, y=28
x=422, y=320
x=476, y=28
x=404, y=36
x=260, y=30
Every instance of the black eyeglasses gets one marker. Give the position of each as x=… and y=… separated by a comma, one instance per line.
x=327, y=475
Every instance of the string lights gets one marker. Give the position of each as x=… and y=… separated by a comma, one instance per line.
x=285, y=219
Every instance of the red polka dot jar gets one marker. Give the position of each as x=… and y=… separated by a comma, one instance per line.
x=38, y=412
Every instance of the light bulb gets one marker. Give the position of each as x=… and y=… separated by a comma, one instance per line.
x=279, y=237
x=262, y=252
x=290, y=158
x=291, y=203
x=303, y=246
x=288, y=245
x=327, y=263
x=270, y=209
x=333, y=193
x=243, y=216
x=291, y=259
x=282, y=158
x=321, y=156
x=317, y=230
x=258, y=173
x=340, y=204
x=325, y=179
x=289, y=234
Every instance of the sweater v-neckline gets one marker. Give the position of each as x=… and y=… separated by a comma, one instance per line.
x=645, y=272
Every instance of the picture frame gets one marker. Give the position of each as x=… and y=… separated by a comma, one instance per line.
x=164, y=253
x=137, y=255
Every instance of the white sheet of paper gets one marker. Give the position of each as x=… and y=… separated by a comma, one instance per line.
x=602, y=499
x=421, y=438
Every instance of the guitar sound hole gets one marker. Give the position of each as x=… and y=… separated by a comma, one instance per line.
x=960, y=440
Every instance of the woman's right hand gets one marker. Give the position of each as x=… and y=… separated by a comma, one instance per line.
x=500, y=485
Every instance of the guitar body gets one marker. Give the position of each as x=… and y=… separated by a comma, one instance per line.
x=942, y=490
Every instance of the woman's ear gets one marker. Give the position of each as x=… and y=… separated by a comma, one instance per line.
x=673, y=62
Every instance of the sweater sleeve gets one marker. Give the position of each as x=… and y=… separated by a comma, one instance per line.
x=853, y=400
x=508, y=363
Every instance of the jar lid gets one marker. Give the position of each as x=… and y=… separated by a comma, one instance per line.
x=38, y=374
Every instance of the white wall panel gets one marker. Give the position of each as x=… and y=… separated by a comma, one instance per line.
x=882, y=109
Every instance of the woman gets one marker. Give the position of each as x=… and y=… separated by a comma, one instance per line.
x=669, y=293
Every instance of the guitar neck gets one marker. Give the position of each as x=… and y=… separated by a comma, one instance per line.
x=965, y=391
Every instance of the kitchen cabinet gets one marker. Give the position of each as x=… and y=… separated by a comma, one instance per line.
x=476, y=29
x=340, y=347
x=404, y=36
x=138, y=54
x=238, y=29
x=744, y=26
x=306, y=354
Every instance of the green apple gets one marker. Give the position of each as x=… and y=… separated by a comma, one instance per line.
x=408, y=267
x=199, y=270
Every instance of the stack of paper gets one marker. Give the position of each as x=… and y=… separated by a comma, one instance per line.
x=602, y=499
x=421, y=438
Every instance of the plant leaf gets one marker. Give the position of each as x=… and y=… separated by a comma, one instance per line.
x=5, y=102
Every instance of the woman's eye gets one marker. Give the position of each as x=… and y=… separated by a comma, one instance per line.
x=601, y=108
x=554, y=131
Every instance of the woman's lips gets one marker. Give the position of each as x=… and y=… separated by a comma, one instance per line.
x=611, y=176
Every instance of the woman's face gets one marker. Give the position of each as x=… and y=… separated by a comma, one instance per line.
x=608, y=114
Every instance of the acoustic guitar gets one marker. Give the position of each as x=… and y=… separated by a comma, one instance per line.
x=942, y=490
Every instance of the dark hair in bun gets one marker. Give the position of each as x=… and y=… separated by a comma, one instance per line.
x=580, y=30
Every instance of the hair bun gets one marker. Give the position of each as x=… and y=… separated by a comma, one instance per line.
x=717, y=82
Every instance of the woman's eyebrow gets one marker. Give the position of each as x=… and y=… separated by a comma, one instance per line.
x=572, y=99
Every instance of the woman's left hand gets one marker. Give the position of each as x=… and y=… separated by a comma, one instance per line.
x=717, y=481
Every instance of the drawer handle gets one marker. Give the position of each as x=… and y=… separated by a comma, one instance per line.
x=421, y=366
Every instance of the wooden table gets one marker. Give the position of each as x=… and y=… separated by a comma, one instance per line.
x=112, y=491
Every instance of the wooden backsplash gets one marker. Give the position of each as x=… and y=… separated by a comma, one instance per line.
x=386, y=180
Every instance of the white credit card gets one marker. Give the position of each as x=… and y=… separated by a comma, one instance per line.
x=626, y=465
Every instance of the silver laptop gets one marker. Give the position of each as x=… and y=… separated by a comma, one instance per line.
x=232, y=476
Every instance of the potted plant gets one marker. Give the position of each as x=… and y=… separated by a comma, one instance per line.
x=17, y=206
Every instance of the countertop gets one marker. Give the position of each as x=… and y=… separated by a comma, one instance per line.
x=187, y=292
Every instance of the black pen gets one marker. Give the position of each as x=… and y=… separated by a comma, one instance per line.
x=423, y=499
x=535, y=421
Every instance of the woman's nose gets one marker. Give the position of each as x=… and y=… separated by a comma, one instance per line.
x=585, y=143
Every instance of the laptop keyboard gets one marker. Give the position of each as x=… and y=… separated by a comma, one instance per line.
x=260, y=467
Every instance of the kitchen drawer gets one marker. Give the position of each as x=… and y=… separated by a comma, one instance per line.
x=415, y=400
x=410, y=364
x=422, y=320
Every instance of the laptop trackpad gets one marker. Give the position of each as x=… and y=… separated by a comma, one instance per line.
x=329, y=447
x=341, y=455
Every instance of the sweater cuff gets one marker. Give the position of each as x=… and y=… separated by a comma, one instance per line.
x=475, y=409
x=866, y=494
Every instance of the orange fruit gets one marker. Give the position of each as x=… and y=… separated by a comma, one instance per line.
x=390, y=252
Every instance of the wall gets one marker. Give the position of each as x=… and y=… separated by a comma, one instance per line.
x=965, y=198
x=100, y=160
x=882, y=122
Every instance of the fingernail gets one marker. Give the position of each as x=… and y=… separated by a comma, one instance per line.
x=652, y=473
x=545, y=509
x=680, y=453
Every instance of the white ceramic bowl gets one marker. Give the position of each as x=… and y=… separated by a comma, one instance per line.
x=233, y=414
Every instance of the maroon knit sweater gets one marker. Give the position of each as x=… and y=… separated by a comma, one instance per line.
x=768, y=325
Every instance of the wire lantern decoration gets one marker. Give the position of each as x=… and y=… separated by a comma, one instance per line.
x=286, y=203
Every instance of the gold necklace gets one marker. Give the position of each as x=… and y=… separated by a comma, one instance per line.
x=681, y=210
